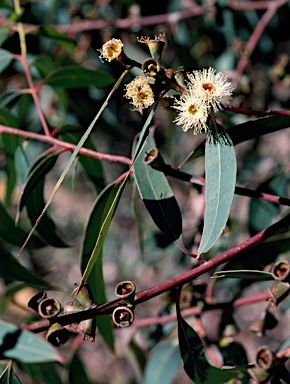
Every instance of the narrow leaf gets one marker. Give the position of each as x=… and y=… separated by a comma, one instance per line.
x=162, y=365
x=16, y=235
x=33, y=198
x=24, y=346
x=73, y=156
x=245, y=274
x=8, y=376
x=156, y=193
x=248, y=131
x=5, y=59
x=195, y=363
x=98, y=226
x=220, y=174
x=77, y=77
x=92, y=167
x=262, y=213
x=10, y=268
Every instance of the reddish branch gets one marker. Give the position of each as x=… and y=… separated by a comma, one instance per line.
x=128, y=23
x=273, y=6
x=262, y=113
x=178, y=281
x=197, y=311
x=63, y=144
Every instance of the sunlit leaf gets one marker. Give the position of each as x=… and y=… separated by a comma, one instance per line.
x=162, y=365
x=220, y=174
x=77, y=77
x=10, y=268
x=156, y=194
x=24, y=346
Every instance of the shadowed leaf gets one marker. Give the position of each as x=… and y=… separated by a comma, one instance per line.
x=24, y=346
x=156, y=193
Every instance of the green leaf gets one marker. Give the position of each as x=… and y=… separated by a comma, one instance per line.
x=156, y=193
x=262, y=213
x=46, y=65
x=247, y=131
x=93, y=167
x=162, y=365
x=259, y=127
x=195, y=364
x=77, y=77
x=91, y=249
x=10, y=268
x=76, y=372
x=5, y=59
x=56, y=36
x=220, y=174
x=24, y=346
x=8, y=376
x=245, y=274
x=74, y=154
x=32, y=198
x=10, y=144
x=44, y=373
x=4, y=34
x=16, y=235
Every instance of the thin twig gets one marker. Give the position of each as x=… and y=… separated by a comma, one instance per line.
x=63, y=144
x=175, y=282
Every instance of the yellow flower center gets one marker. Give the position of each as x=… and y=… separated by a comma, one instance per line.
x=114, y=48
x=209, y=87
x=192, y=109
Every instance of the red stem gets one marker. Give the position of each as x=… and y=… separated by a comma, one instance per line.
x=63, y=144
x=255, y=37
x=176, y=282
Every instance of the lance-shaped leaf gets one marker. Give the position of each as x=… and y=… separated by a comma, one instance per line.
x=91, y=250
x=194, y=361
x=16, y=235
x=248, y=131
x=8, y=376
x=77, y=77
x=10, y=144
x=245, y=274
x=93, y=167
x=156, y=193
x=5, y=59
x=24, y=346
x=162, y=365
x=32, y=198
x=220, y=175
x=10, y=268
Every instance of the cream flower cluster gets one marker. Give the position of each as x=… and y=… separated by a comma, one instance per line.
x=140, y=92
x=205, y=90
